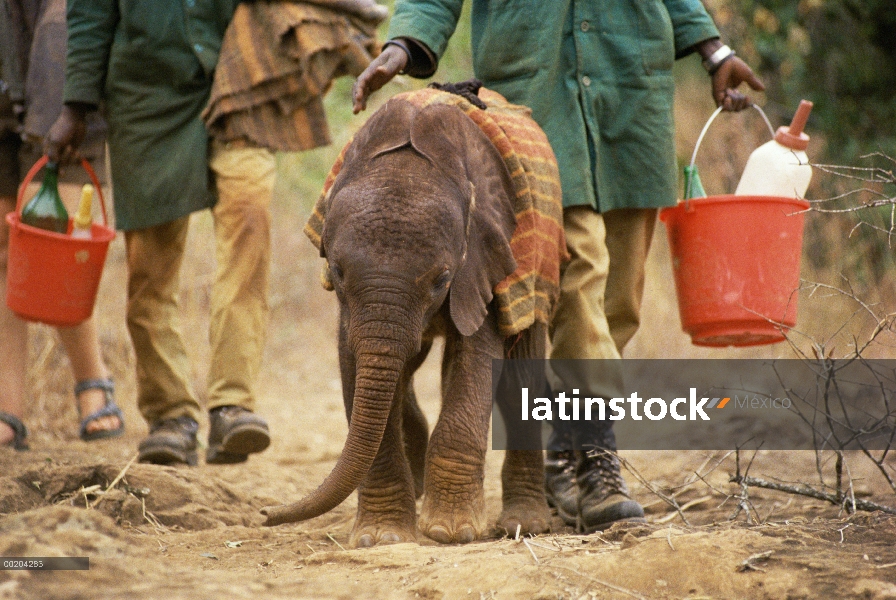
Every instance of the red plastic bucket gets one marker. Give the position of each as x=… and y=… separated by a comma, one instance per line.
x=736, y=261
x=52, y=277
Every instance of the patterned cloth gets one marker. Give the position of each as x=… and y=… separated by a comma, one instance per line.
x=538, y=244
x=277, y=61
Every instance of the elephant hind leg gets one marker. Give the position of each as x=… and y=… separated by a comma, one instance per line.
x=522, y=476
x=414, y=425
x=524, y=504
x=416, y=439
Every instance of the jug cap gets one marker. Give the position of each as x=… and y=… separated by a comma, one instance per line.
x=793, y=136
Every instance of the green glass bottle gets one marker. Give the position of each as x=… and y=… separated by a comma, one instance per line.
x=693, y=188
x=46, y=210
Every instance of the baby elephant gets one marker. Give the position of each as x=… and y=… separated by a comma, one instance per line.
x=440, y=218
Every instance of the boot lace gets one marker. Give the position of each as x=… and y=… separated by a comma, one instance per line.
x=563, y=462
x=600, y=473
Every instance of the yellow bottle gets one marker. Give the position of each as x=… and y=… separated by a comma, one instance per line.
x=83, y=221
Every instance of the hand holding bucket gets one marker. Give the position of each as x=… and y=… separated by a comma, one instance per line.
x=736, y=261
x=52, y=277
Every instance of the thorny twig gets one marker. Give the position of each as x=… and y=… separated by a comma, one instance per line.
x=743, y=498
x=806, y=490
x=873, y=181
x=670, y=500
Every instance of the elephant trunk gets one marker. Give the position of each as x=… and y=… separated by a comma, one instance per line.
x=375, y=384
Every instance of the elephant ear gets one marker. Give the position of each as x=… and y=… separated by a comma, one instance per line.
x=454, y=144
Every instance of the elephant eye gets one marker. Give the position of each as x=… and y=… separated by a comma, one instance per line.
x=443, y=280
x=336, y=272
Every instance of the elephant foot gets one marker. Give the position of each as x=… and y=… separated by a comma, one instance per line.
x=531, y=515
x=372, y=534
x=460, y=526
x=445, y=534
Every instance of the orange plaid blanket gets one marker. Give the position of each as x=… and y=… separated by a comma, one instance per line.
x=277, y=61
x=538, y=244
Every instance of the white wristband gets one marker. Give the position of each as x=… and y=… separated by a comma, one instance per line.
x=716, y=59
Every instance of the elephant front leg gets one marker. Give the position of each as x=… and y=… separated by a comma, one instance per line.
x=387, y=511
x=453, y=503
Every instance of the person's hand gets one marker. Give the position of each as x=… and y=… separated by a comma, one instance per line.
x=726, y=80
x=380, y=72
x=66, y=134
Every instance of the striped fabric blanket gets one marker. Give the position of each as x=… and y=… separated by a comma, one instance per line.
x=529, y=293
x=277, y=61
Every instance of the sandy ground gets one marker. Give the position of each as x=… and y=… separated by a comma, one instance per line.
x=165, y=532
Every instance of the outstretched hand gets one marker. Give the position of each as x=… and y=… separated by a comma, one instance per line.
x=727, y=78
x=65, y=136
x=380, y=72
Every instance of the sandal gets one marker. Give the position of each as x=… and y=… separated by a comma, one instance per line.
x=18, y=428
x=110, y=409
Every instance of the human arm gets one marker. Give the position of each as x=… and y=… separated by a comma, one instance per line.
x=399, y=55
x=11, y=84
x=91, y=29
x=727, y=75
x=67, y=132
x=418, y=35
x=695, y=31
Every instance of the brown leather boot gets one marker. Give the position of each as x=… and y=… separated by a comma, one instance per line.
x=560, y=484
x=170, y=442
x=603, y=498
x=234, y=434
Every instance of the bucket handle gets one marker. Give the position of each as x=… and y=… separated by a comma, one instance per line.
x=41, y=162
x=712, y=118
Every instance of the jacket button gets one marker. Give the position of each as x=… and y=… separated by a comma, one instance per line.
x=585, y=25
x=586, y=81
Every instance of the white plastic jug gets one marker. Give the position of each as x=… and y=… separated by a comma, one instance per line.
x=780, y=167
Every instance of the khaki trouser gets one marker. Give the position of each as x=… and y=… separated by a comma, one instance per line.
x=601, y=288
x=629, y=234
x=244, y=177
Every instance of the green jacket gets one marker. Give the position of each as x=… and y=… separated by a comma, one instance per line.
x=151, y=63
x=597, y=75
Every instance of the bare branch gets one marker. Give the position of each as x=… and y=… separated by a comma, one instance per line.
x=805, y=490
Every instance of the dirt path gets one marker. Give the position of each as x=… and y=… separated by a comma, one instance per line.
x=195, y=533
